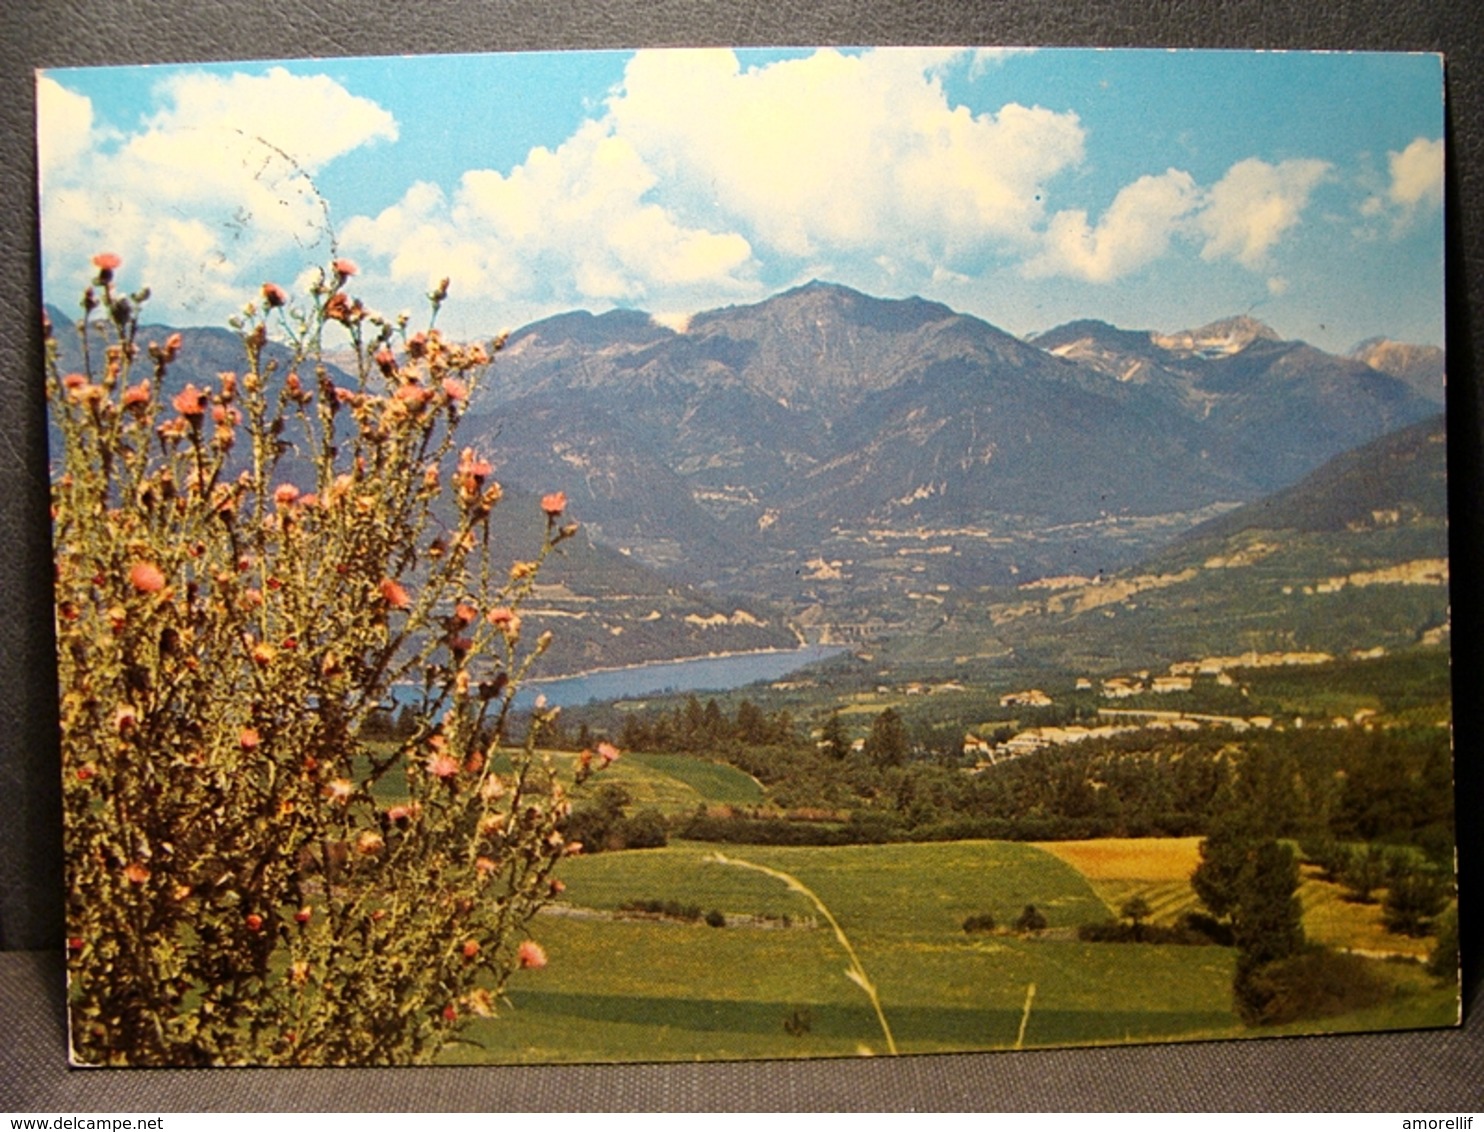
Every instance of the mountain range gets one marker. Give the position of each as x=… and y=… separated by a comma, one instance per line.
x=827, y=449
x=831, y=463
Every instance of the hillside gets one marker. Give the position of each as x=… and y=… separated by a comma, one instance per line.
x=1351, y=560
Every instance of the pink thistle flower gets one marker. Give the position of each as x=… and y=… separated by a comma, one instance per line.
x=136, y=395
x=249, y=739
x=442, y=766
x=126, y=718
x=455, y=390
x=304, y=915
x=554, y=504
x=369, y=844
x=386, y=360
x=531, y=955
x=394, y=593
x=337, y=308
x=608, y=753
x=172, y=346
x=136, y=872
x=450, y=1012
x=146, y=577
x=190, y=402
x=470, y=948
x=253, y=921
x=274, y=295
x=344, y=268
x=484, y=866
x=400, y=815
x=473, y=467
x=339, y=790
x=285, y=494
x=106, y=262
x=413, y=395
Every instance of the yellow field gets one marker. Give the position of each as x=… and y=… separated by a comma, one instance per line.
x=1152, y=859
x=1120, y=868
x=1159, y=868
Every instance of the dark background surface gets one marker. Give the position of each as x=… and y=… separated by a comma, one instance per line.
x=1435, y=1071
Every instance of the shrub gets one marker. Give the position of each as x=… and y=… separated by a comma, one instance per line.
x=980, y=922
x=1213, y=930
x=1443, y=962
x=645, y=830
x=798, y=1021
x=244, y=574
x=1313, y=983
x=1415, y=897
x=1030, y=920
x=716, y=919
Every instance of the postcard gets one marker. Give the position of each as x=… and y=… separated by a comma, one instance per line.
x=711, y=554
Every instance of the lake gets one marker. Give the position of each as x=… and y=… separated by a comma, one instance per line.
x=702, y=674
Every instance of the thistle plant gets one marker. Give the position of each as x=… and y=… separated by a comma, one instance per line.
x=246, y=572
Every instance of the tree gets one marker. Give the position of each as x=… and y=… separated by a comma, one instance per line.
x=1362, y=873
x=1030, y=920
x=1266, y=925
x=835, y=742
x=1136, y=910
x=1217, y=879
x=244, y=573
x=887, y=743
x=646, y=830
x=752, y=727
x=1414, y=898
x=1267, y=920
x=596, y=823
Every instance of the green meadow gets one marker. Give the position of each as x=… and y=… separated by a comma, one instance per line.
x=766, y=977
x=624, y=988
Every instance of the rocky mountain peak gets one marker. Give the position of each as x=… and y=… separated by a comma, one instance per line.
x=1217, y=339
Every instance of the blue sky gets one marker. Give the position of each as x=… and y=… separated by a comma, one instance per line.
x=1149, y=188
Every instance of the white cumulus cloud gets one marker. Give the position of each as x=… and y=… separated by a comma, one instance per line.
x=1241, y=217
x=837, y=153
x=217, y=181
x=1417, y=174
x=699, y=174
x=570, y=224
x=1134, y=230
x=1251, y=208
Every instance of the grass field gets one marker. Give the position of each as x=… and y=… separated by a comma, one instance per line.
x=771, y=983
x=619, y=988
